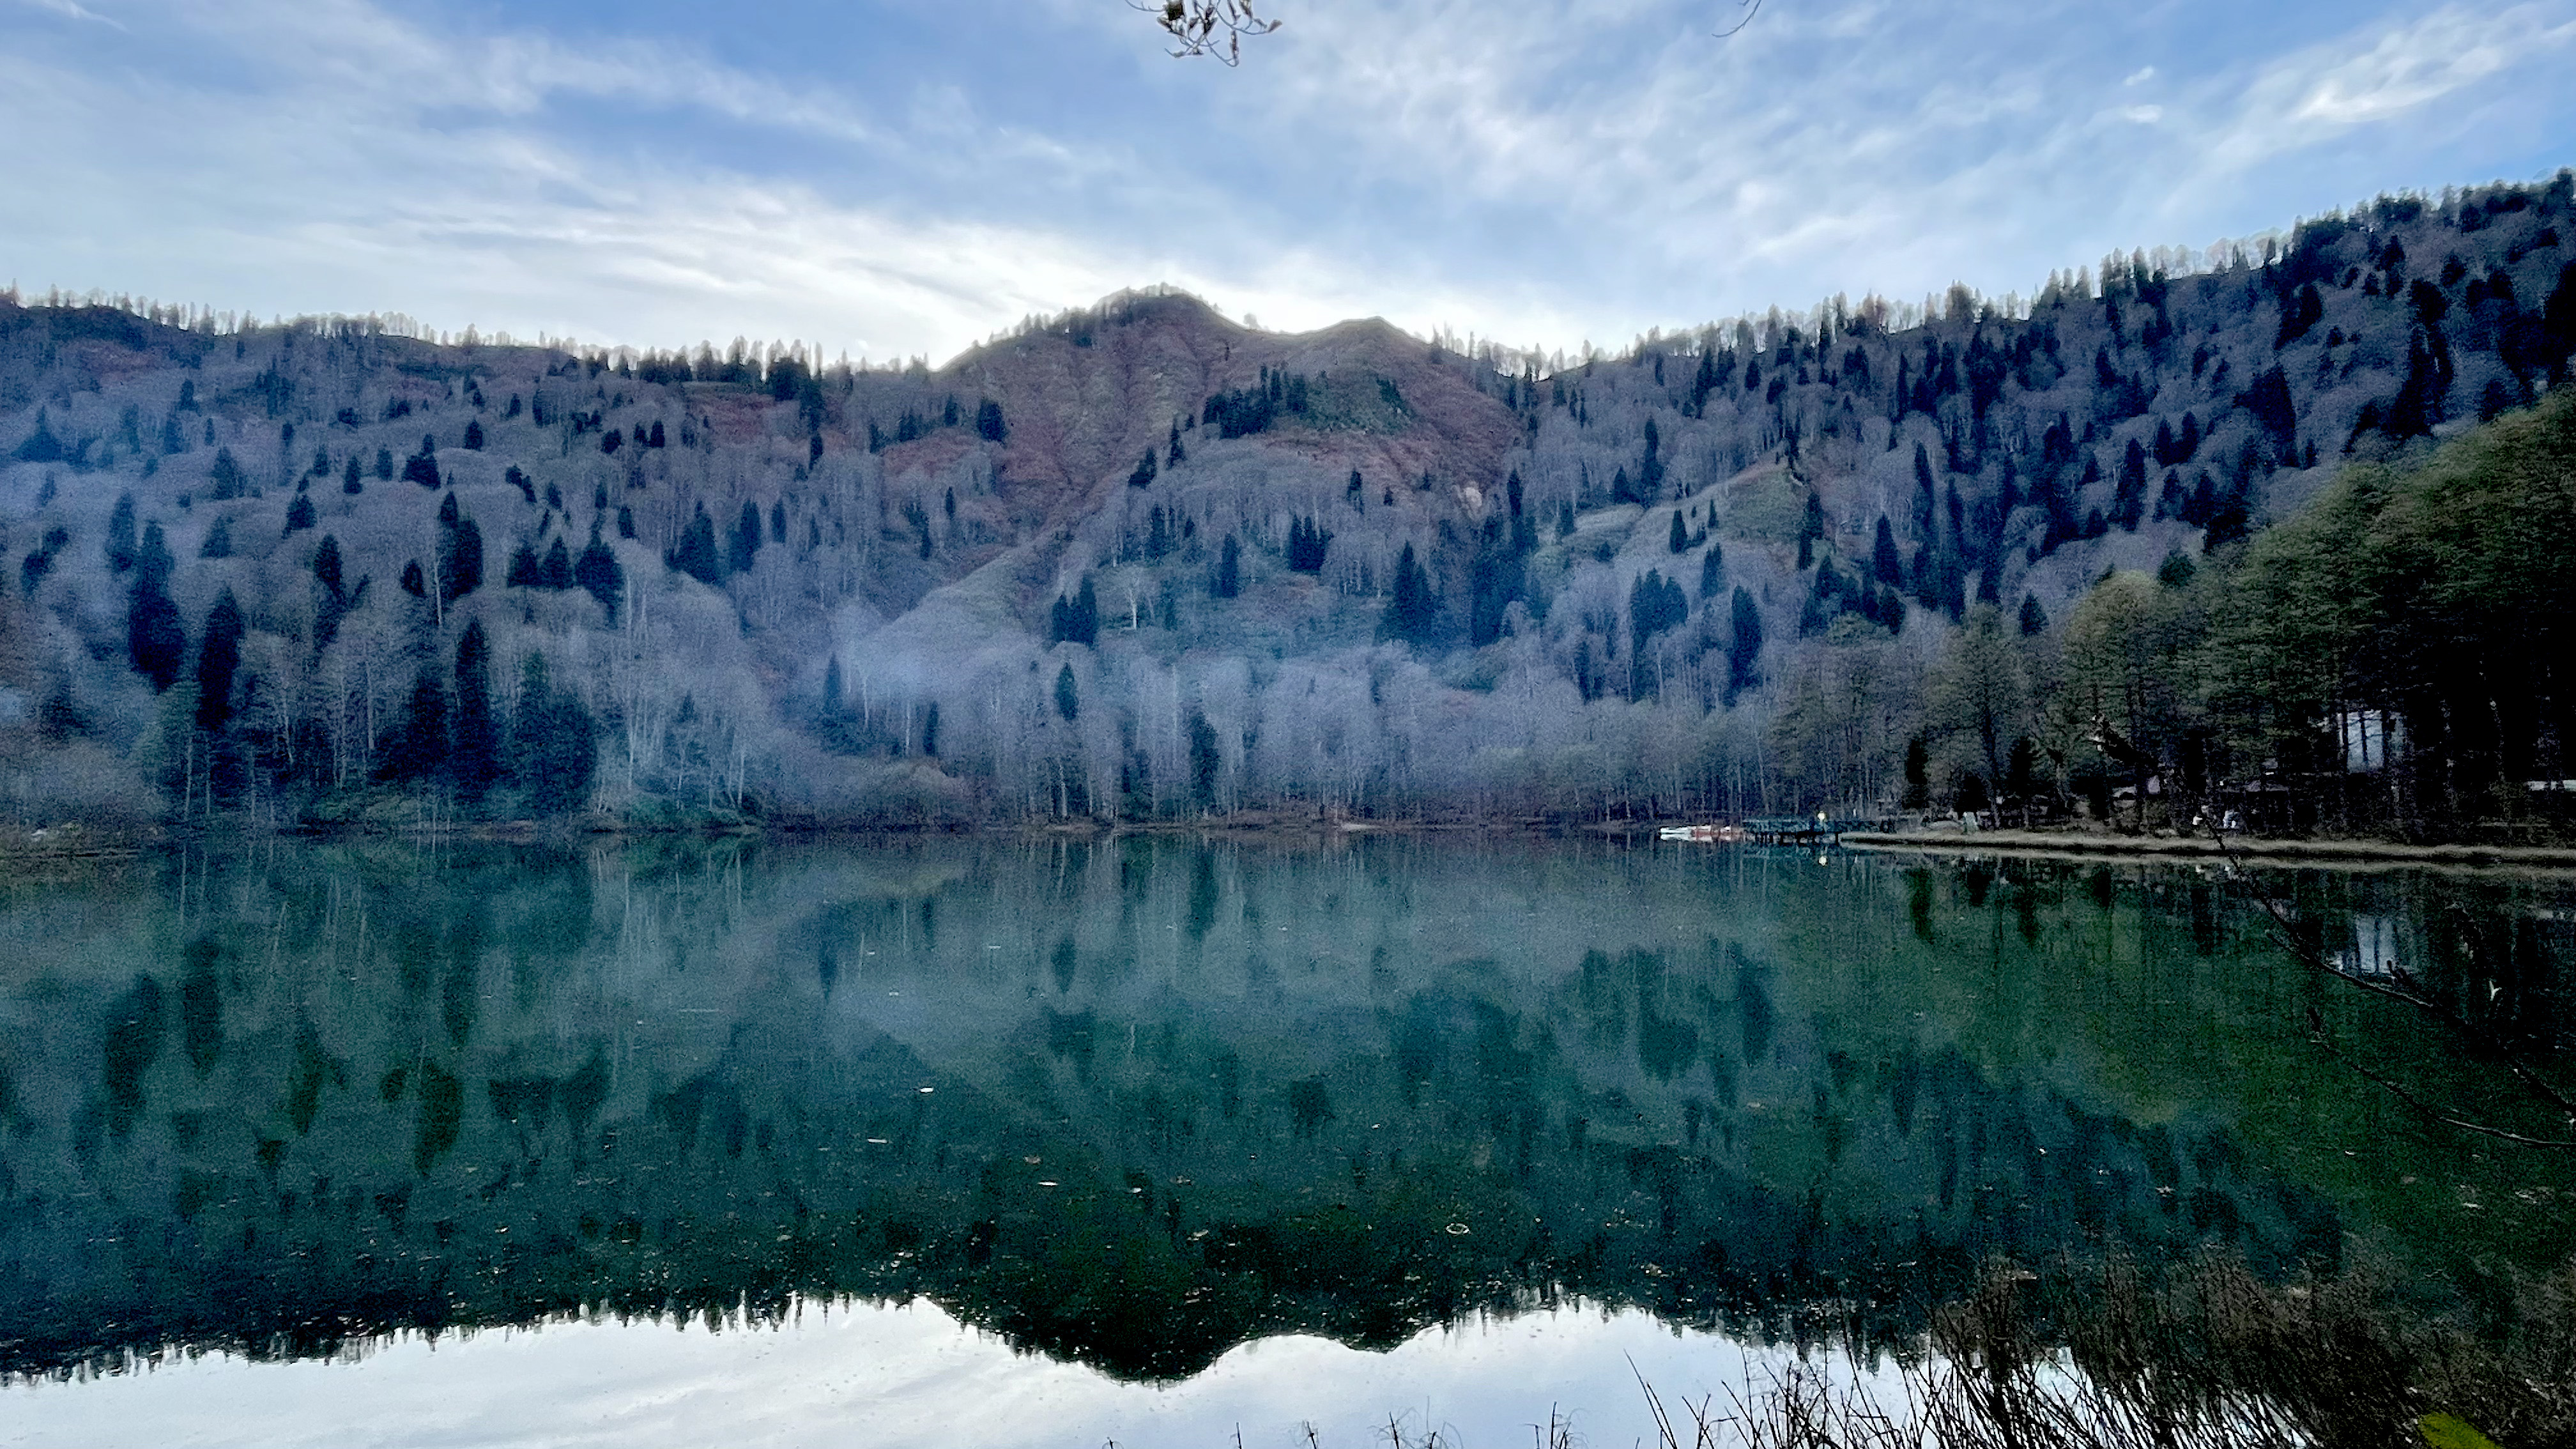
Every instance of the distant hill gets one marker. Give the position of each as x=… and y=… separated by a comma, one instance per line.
x=1141, y=561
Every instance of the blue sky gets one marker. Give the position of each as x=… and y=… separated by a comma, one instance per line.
x=908, y=177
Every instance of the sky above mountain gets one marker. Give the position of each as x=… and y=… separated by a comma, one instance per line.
x=908, y=176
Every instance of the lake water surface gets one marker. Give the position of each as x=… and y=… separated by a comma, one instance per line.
x=992, y=1142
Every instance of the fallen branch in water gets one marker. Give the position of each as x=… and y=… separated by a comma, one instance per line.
x=2397, y=991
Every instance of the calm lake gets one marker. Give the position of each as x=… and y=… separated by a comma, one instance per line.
x=994, y=1142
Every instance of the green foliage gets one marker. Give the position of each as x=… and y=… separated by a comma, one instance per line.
x=1307, y=544
x=1655, y=604
x=41, y=445
x=1075, y=620
x=2440, y=592
x=474, y=758
x=416, y=750
x=1413, y=610
x=218, y=658
x=696, y=553
x=226, y=481
x=599, y=573
x=156, y=643
x=553, y=752
x=1229, y=569
x=1744, y=645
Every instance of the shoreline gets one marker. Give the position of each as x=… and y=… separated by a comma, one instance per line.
x=75, y=842
x=2388, y=853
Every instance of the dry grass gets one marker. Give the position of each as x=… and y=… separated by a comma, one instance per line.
x=2208, y=1356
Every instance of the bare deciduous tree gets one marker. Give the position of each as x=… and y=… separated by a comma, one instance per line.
x=1207, y=27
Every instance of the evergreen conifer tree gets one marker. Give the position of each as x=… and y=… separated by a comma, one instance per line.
x=460, y=565
x=1413, y=610
x=417, y=748
x=599, y=574
x=120, y=534
x=1744, y=647
x=474, y=759
x=156, y=641
x=1229, y=569
x=218, y=659
x=745, y=541
x=1886, y=564
x=696, y=554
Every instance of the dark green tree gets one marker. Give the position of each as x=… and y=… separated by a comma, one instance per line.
x=1744, y=648
x=120, y=534
x=474, y=758
x=1068, y=702
x=1712, y=572
x=745, y=542
x=460, y=564
x=1307, y=545
x=41, y=445
x=598, y=572
x=421, y=467
x=2034, y=619
x=1229, y=569
x=1811, y=529
x=218, y=659
x=1205, y=759
x=155, y=640
x=553, y=742
x=1413, y=611
x=417, y=749
x=1885, y=564
x=226, y=481
x=335, y=600
x=299, y=514
x=696, y=555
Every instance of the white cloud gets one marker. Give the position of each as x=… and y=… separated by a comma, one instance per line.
x=73, y=9
x=1541, y=171
x=2380, y=74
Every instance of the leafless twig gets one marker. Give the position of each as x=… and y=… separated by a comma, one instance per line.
x=1208, y=27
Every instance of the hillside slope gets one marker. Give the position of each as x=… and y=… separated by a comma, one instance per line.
x=1142, y=561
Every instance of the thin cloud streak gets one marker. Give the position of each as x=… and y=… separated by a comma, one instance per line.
x=1545, y=172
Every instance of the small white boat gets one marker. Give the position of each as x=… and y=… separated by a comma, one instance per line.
x=1703, y=833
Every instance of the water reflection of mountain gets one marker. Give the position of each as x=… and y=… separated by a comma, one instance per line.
x=1130, y=1103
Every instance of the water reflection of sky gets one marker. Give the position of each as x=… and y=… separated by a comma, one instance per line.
x=858, y=1374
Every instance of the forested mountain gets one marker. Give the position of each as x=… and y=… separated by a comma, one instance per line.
x=1140, y=561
